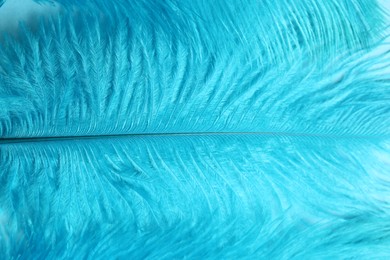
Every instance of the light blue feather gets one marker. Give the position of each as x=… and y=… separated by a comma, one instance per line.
x=83, y=75
x=196, y=130
x=214, y=196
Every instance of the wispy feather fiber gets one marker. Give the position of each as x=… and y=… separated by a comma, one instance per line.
x=147, y=70
x=196, y=129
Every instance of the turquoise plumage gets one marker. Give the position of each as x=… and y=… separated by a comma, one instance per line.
x=195, y=129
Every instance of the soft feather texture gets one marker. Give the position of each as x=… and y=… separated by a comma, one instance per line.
x=211, y=196
x=149, y=71
x=250, y=129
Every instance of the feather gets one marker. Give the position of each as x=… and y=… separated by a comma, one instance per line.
x=196, y=129
x=219, y=196
x=236, y=93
